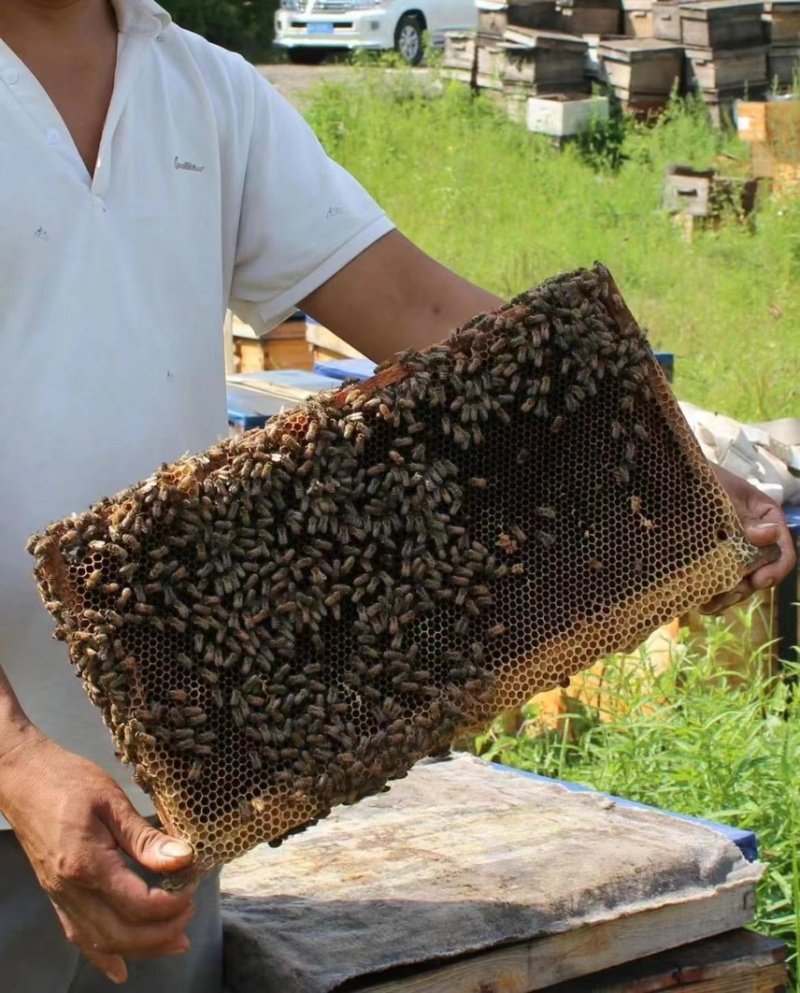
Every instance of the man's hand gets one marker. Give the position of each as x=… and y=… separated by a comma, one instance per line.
x=73, y=821
x=764, y=524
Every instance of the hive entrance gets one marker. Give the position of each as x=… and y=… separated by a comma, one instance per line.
x=295, y=617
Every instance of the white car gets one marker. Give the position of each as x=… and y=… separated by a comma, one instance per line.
x=310, y=29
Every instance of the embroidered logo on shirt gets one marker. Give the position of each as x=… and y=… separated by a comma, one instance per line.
x=41, y=234
x=188, y=166
x=333, y=212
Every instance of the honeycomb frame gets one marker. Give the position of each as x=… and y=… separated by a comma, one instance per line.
x=291, y=619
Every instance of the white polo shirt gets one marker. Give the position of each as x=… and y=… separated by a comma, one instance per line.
x=210, y=190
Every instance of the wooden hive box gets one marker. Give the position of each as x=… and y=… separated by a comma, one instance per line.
x=782, y=18
x=717, y=24
x=582, y=17
x=284, y=347
x=459, y=52
x=667, y=20
x=776, y=122
x=637, y=18
x=721, y=69
x=706, y=194
x=783, y=63
x=563, y=116
x=495, y=16
x=543, y=61
x=641, y=67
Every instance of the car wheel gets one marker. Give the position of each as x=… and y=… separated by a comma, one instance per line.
x=408, y=39
x=306, y=56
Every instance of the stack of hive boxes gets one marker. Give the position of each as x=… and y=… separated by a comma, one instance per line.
x=726, y=49
x=723, y=50
x=518, y=51
x=782, y=18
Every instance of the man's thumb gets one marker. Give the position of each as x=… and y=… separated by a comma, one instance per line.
x=150, y=847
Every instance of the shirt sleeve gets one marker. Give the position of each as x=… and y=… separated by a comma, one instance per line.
x=303, y=217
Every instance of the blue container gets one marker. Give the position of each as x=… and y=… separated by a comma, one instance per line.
x=254, y=397
x=277, y=380
x=346, y=368
x=248, y=409
x=667, y=362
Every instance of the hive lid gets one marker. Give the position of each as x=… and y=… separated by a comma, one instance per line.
x=701, y=9
x=632, y=47
x=534, y=38
x=461, y=858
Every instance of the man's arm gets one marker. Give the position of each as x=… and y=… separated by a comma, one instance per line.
x=393, y=296
x=73, y=822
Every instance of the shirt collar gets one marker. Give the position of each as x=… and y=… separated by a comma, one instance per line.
x=141, y=14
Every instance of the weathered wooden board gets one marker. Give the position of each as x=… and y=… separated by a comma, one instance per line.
x=538, y=964
x=736, y=961
x=464, y=875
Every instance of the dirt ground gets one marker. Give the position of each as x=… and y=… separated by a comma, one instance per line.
x=293, y=81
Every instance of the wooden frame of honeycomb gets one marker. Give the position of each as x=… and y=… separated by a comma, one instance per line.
x=293, y=618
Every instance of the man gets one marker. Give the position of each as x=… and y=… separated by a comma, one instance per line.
x=147, y=181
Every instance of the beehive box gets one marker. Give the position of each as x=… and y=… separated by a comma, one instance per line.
x=543, y=61
x=775, y=121
x=641, y=67
x=495, y=17
x=722, y=23
x=705, y=194
x=783, y=21
x=667, y=20
x=294, y=617
x=563, y=116
x=637, y=18
x=284, y=347
x=723, y=69
x=459, y=62
x=580, y=17
x=783, y=64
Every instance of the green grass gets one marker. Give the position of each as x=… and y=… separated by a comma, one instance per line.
x=505, y=209
x=694, y=740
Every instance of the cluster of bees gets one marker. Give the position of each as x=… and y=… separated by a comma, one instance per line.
x=293, y=618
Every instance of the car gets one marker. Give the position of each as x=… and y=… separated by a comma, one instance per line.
x=308, y=30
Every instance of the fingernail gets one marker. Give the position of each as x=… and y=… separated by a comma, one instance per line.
x=763, y=582
x=175, y=849
x=765, y=526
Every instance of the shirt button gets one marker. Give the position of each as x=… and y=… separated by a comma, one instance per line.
x=100, y=203
x=11, y=76
x=53, y=137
